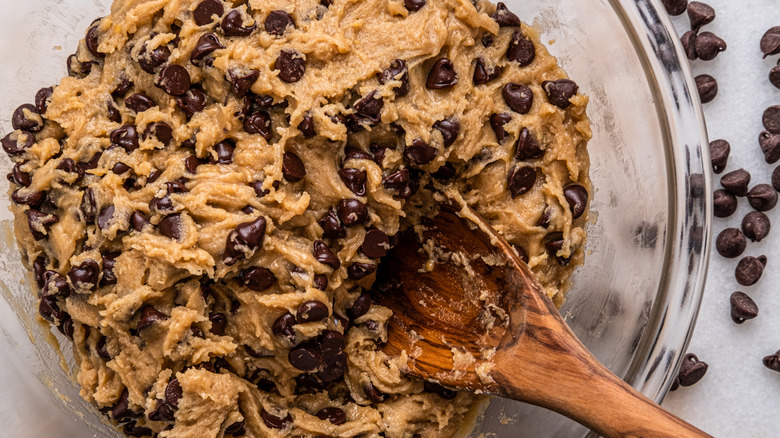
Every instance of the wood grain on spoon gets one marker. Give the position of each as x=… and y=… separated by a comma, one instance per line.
x=471, y=316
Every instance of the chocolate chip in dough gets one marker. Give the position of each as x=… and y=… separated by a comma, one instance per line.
x=42, y=99
x=742, y=307
x=361, y=306
x=236, y=429
x=293, y=168
x=725, y=204
x=171, y=227
x=205, y=46
x=85, y=275
x=771, y=119
x=560, y=92
x=311, y=311
x=449, y=128
x=700, y=15
x=398, y=71
x=326, y=256
x=307, y=126
x=688, y=41
x=40, y=223
x=277, y=22
x=675, y=7
x=28, y=197
x=442, y=75
x=320, y=281
x=497, y=122
x=762, y=197
x=707, y=87
x=372, y=393
x=151, y=61
x=241, y=81
x=749, y=270
x=139, y=221
x=17, y=142
x=19, y=177
x=730, y=243
x=719, y=155
x=233, y=25
x=206, y=10
x=174, y=80
x=173, y=393
x=358, y=270
x=445, y=393
x=192, y=102
x=736, y=182
x=26, y=118
x=691, y=370
x=283, y=327
x=521, y=50
x=139, y=103
x=273, y=421
x=577, y=197
x=331, y=226
x=370, y=107
x=518, y=97
x=161, y=131
x=355, y=180
x=258, y=279
x=521, y=179
x=527, y=147
x=414, y=5
x=756, y=226
x=246, y=237
x=352, y=212
x=218, y=323
x=484, y=74
x=126, y=137
x=163, y=412
x=504, y=17
x=420, y=153
x=708, y=45
x=149, y=315
x=773, y=361
x=259, y=123
x=334, y=415
x=291, y=66
x=224, y=150
x=770, y=41
x=121, y=411
x=375, y=244
x=305, y=358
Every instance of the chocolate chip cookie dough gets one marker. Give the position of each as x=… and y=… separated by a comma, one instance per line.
x=204, y=200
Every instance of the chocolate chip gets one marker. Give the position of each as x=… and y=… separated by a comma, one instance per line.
x=173, y=393
x=100, y=348
x=161, y=131
x=323, y=254
x=321, y=281
x=177, y=186
x=742, y=307
x=39, y=268
x=163, y=412
x=504, y=17
x=218, y=323
x=236, y=429
x=205, y=11
x=26, y=118
x=19, y=177
x=749, y=270
x=414, y=5
x=139, y=103
x=70, y=166
x=560, y=92
x=85, y=276
x=521, y=50
x=442, y=75
x=50, y=310
x=521, y=179
x=736, y=182
x=398, y=71
x=277, y=22
x=518, y=97
x=122, y=88
x=233, y=25
x=333, y=415
x=577, y=197
x=241, y=81
x=352, y=212
x=449, y=128
x=121, y=411
x=700, y=14
x=361, y=306
x=770, y=41
x=484, y=74
x=708, y=45
x=776, y=179
x=273, y=421
x=174, y=80
x=55, y=284
x=771, y=119
x=259, y=123
x=691, y=370
x=161, y=204
x=446, y=172
x=139, y=221
x=331, y=226
x=725, y=204
x=445, y=393
x=688, y=41
x=149, y=315
x=756, y=226
x=355, y=180
x=76, y=68
x=774, y=76
x=312, y=311
x=762, y=197
x=675, y=7
x=527, y=147
x=730, y=243
x=109, y=277
x=372, y=393
x=719, y=155
x=305, y=358
x=17, y=142
x=770, y=146
x=358, y=270
x=707, y=87
x=150, y=61
x=42, y=99
x=420, y=153
x=258, y=279
x=375, y=244
x=246, y=238
x=40, y=223
x=126, y=137
x=192, y=102
x=293, y=169
x=291, y=66
x=206, y=45
x=497, y=122
x=370, y=107
x=307, y=126
x=28, y=197
x=171, y=227
x=92, y=42
x=89, y=205
x=224, y=150
x=398, y=181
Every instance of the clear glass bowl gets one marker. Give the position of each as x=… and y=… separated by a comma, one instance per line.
x=633, y=304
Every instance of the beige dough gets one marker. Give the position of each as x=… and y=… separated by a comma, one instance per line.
x=176, y=305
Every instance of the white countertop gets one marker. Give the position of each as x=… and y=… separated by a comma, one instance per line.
x=738, y=397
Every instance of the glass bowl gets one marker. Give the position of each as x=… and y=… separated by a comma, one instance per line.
x=633, y=304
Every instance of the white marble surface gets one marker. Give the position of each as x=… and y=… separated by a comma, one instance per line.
x=738, y=397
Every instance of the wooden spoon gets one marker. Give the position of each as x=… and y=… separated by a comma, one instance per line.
x=471, y=316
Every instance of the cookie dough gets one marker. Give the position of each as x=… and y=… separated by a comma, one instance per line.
x=203, y=201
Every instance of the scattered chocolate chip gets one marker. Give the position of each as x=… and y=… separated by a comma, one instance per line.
x=291, y=66
x=414, y=5
x=518, y=97
x=770, y=41
x=205, y=46
x=675, y=7
x=521, y=179
x=770, y=146
x=192, y=102
x=560, y=92
x=126, y=137
x=26, y=118
x=756, y=226
x=42, y=98
x=497, y=122
x=577, y=197
x=205, y=11
x=150, y=61
x=707, y=87
x=333, y=415
x=736, y=182
x=700, y=14
x=504, y=17
x=719, y=155
x=762, y=197
x=352, y=212
x=398, y=71
x=149, y=315
x=691, y=370
x=725, y=204
x=776, y=179
x=688, y=41
x=774, y=76
x=749, y=270
x=273, y=421
x=174, y=80
x=771, y=119
x=730, y=243
x=355, y=180
x=277, y=22
x=139, y=103
x=241, y=81
x=742, y=307
x=246, y=238
x=84, y=277
x=311, y=311
x=708, y=45
x=442, y=75
x=233, y=25
x=17, y=142
x=449, y=128
x=323, y=254
x=484, y=74
x=521, y=50
x=772, y=361
x=293, y=169
x=258, y=279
